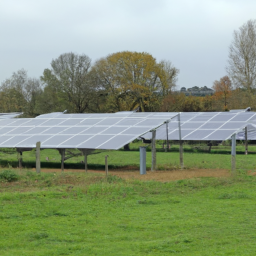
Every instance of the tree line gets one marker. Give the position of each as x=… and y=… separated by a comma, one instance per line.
x=124, y=81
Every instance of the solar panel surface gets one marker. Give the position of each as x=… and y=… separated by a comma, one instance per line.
x=95, y=131
x=200, y=125
x=251, y=132
x=9, y=115
x=206, y=125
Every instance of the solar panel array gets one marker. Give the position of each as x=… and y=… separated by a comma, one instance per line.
x=51, y=115
x=193, y=128
x=85, y=115
x=205, y=125
x=251, y=132
x=9, y=115
x=240, y=110
x=113, y=131
x=94, y=131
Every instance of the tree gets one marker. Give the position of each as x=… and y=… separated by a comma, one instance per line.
x=191, y=104
x=173, y=102
x=207, y=103
x=180, y=102
x=20, y=93
x=168, y=77
x=133, y=79
x=68, y=80
x=223, y=90
x=242, y=99
x=242, y=56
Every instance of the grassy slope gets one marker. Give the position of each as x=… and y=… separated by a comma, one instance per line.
x=79, y=214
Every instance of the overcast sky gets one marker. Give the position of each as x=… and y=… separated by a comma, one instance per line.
x=193, y=34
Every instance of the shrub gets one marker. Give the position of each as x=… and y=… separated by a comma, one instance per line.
x=8, y=175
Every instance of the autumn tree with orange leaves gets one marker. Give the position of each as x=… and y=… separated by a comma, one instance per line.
x=222, y=89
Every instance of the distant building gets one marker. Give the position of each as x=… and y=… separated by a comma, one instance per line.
x=196, y=91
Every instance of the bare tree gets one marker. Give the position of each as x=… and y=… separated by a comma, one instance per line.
x=242, y=56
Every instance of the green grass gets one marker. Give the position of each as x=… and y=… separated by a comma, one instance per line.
x=195, y=156
x=85, y=214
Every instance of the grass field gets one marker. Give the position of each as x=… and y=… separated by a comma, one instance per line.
x=194, y=157
x=87, y=214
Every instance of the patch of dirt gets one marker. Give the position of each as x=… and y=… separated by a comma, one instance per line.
x=251, y=173
x=157, y=175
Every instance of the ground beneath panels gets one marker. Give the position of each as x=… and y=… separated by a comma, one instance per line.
x=163, y=176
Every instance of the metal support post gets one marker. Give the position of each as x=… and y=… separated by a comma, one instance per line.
x=62, y=152
x=181, y=144
x=86, y=153
x=167, y=139
x=233, y=154
x=142, y=160
x=85, y=161
x=19, y=157
x=38, y=162
x=153, y=151
x=246, y=140
x=106, y=165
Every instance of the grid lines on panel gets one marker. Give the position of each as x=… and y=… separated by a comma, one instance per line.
x=206, y=126
x=105, y=131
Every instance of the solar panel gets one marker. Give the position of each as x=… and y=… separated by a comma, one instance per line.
x=83, y=115
x=95, y=131
x=51, y=115
x=251, y=131
x=9, y=115
x=205, y=125
x=194, y=125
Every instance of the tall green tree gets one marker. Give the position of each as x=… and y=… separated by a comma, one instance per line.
x=68, y=82
x=20, y=93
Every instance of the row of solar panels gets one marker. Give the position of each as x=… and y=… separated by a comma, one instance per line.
x=9, y=115
x=113, y=131
x=207, y=126
x=101, y=131
x=197, y=125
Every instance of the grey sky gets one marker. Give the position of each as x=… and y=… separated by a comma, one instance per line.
x=193, y=34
